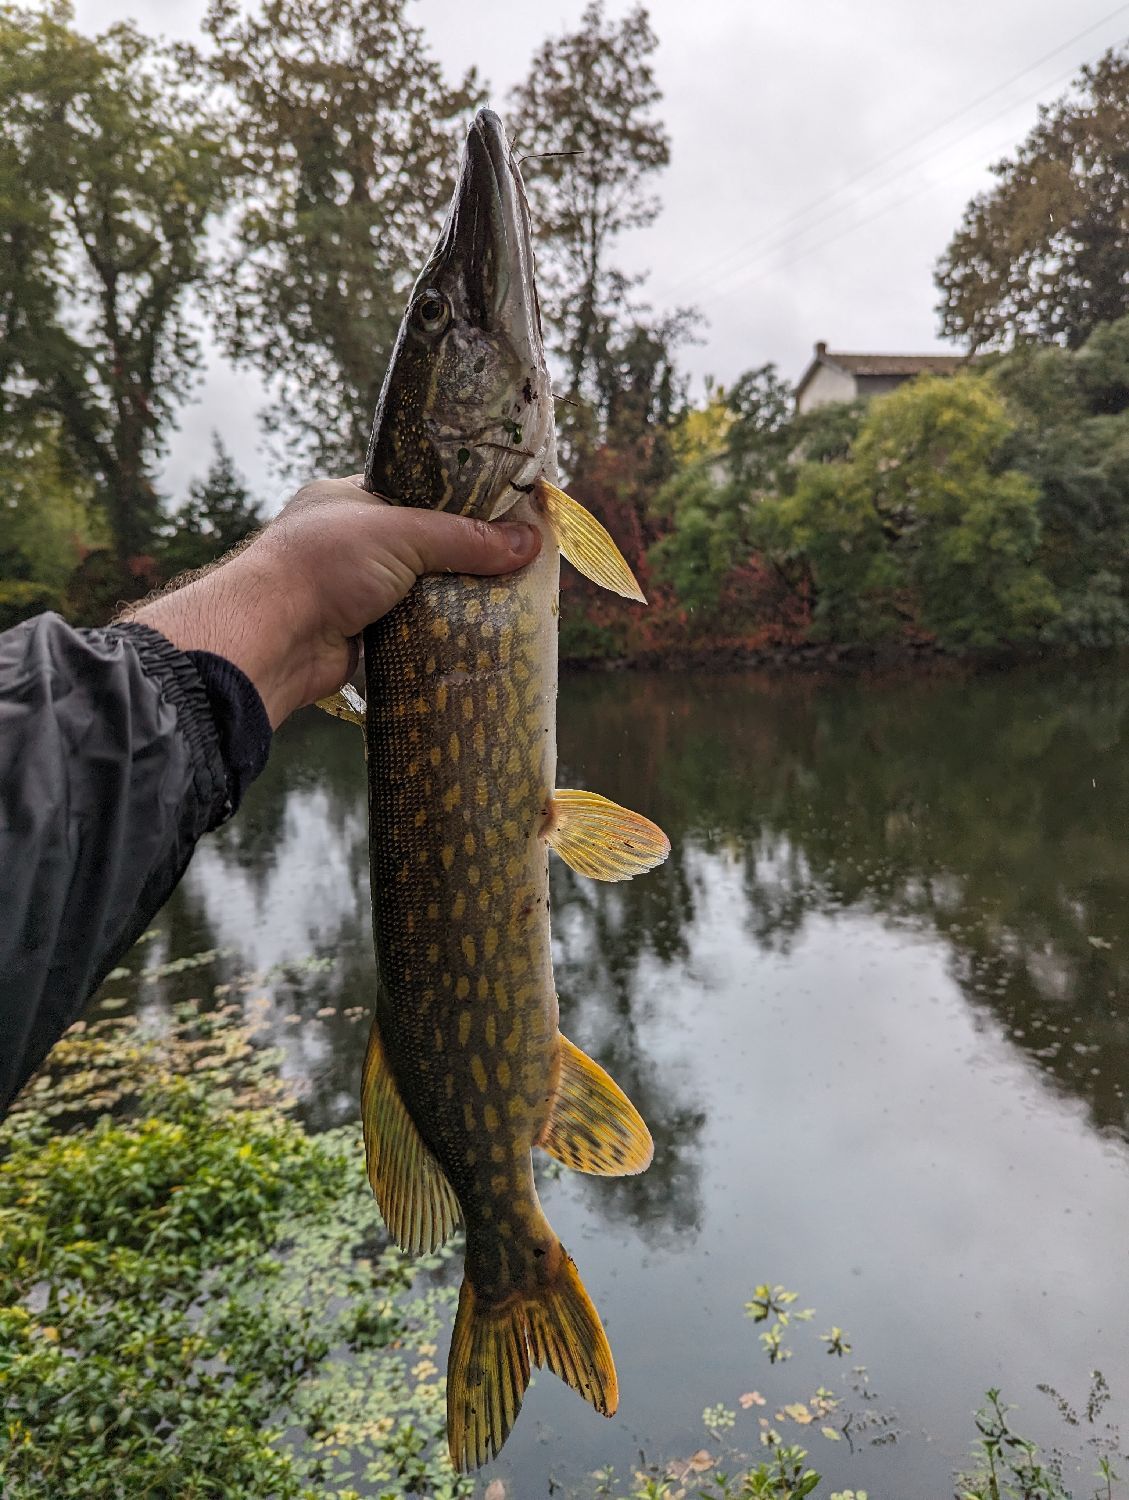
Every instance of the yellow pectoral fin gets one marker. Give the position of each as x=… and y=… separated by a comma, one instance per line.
x=417, y=1202
x=346, y=704
x=599, y=838
x=586, y=543
x=593, y=1125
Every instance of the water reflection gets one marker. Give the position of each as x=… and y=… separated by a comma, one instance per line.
x=991, y=812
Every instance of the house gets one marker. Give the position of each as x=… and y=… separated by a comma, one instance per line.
x=849, y=377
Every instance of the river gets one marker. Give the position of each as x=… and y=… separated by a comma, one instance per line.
x=873, y=1008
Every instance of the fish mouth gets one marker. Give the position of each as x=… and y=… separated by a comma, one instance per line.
x=490, y=236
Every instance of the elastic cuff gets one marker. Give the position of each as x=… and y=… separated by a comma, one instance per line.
x=183, y=689
x=241, y=720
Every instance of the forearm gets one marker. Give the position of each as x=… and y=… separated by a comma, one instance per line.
x=110, y=770
x=250, y=612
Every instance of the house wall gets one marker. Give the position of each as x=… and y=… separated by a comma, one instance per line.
x=879, y=385
x=827, y=385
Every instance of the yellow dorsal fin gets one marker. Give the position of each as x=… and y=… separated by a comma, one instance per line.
x=593, y=1126
x=601, y=839
x=345, y=704
x=586, y=543
x=493, y=1344
x=417, y=1202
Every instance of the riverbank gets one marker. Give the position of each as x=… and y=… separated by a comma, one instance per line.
x=814, y=658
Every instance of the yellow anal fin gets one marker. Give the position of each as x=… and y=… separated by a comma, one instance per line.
x=599, y=838
x=493, y=1346
x=586, y=543
x=417, y=1202
x=593, y=1126
x=345, y=704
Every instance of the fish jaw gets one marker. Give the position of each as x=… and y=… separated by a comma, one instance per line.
x=464, y=422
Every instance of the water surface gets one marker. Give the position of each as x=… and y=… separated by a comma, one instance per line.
x=873, y=1008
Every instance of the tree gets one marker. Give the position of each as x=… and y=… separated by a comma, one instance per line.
x=349, y=139
x=732, y=452
x=1071, y=438
x=110, y=171
x=585, y=127
x=1044, y=255
x=218, y=514
x=46, y=510
x=922, y=527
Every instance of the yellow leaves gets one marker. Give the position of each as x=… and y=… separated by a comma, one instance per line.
x=703, y=430
x=798, y=1412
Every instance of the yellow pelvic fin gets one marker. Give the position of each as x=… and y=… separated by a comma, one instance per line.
x=345, y=704
x=586, y=543
x=492, y=1348
x=417, y=1202
x=601, y=839
x=593, y=1126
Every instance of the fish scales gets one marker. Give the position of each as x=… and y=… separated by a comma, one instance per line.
x=461, y=681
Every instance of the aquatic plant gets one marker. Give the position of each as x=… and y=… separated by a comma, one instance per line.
x=195, y=1299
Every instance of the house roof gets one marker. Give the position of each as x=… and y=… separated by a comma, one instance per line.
x=881, y=364
x=897, y=364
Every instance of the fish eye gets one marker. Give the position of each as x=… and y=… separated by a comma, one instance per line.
x=432, y=311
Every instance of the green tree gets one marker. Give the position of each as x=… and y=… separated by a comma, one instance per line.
x=218, y=514
x=733, y=451
x=921, y=526
x=46, y=513
x=1044, y=255
x=585, y=124
x=111, y=168
x=349, y=138
x=1071, y=438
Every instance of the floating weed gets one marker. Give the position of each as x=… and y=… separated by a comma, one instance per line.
x=196, y=1297
x=836, y=1341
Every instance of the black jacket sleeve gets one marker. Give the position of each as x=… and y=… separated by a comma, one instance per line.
x=117, y=752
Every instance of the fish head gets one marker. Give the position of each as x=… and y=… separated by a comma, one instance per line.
x=465, y=422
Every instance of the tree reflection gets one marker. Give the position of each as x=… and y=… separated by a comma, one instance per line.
x=990, y=810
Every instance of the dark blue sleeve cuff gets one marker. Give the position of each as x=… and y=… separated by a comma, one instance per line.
x=241, y=720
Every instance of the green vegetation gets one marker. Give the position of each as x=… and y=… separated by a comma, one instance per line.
x=195, y=1295
x=986, y=510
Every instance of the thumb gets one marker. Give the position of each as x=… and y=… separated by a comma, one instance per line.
x=441, y=543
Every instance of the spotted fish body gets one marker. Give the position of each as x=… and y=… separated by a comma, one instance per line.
x=466, y=1070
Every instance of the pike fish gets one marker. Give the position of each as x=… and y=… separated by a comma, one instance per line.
x=466, y=1070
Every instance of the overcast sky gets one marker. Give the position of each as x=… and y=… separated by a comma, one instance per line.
x=822, y=153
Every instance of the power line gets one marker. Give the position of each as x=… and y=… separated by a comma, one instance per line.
x=738, y=274
x=737, y=252
x=861, y=223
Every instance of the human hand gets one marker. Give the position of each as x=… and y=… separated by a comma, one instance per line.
x=287, y=607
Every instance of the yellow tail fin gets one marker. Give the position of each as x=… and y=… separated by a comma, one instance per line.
x=492, y=1348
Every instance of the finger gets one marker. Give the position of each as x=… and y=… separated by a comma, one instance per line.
x=435, y=542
